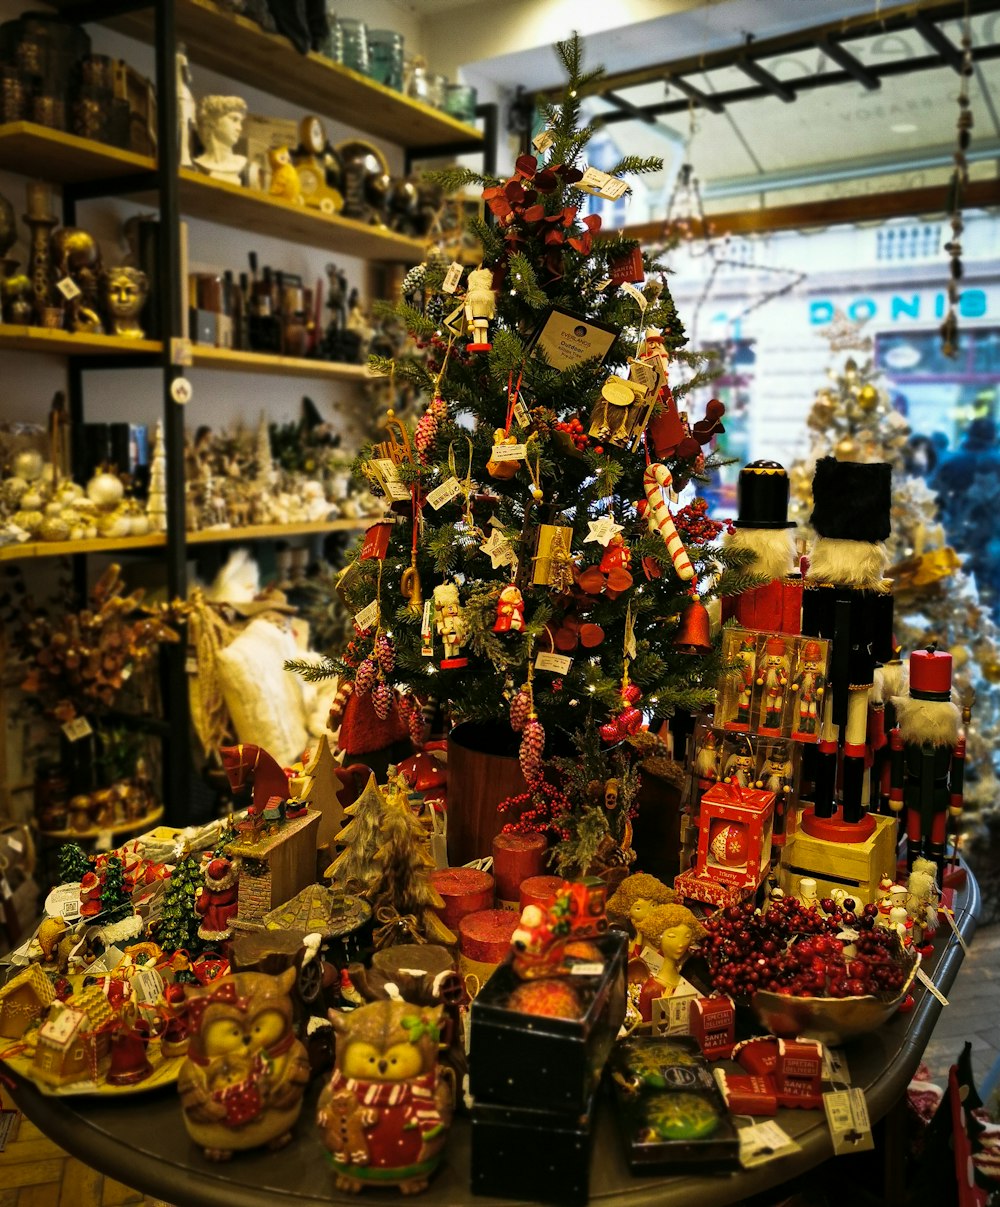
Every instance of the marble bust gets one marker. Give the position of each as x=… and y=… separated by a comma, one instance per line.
x=220, y=126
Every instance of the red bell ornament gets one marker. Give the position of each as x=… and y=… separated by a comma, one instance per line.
x=694, y=633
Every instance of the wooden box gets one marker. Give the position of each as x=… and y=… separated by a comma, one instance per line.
x=273, y=868
x=855, y=866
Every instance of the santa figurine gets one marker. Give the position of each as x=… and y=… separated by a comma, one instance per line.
x=848, y=600
x=217, y=901
x=764, y=530
x=510, y=611
x=928, y=756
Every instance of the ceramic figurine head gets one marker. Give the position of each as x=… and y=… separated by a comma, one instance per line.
x=220, y=121
x=637, y=895
x=387, y=1041
x=671, y=930
x=125, y=292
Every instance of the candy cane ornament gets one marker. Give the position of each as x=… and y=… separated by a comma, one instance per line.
x=655, y=480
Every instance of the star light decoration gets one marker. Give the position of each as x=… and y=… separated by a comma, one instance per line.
x=603, y=530
x=498, y=549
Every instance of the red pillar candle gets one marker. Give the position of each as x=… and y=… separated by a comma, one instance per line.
x=464, y=890
x=485, y=936
x=536, y=890
x=515, y=858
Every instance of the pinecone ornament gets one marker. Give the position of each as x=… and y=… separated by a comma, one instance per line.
x=530, y=754
x=520, y=710
x=414, y=716
x=382, y=700
x=385, y=653
x=427, y=427
x=366, y=676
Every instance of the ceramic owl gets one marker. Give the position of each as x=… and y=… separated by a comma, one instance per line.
x=385, y=1113
x=242, y=1083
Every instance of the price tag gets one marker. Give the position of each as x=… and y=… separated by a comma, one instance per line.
x=542, y=142
x=15, y=844
x=190, y=665
x=950, y=915
x=367, y=616
x=652, y=959
x=64, y=902
x=594, y=968
x=389, y=478
x=6, y=892
x=642, y=374
x=77, y=729
x=444, y=493
x=108, y=962
x=635, y=294
x=835, y=1066
x=426, y=630
x=181, y=352
x=68, y=288
x=603, y=284
x=452, y=278
x=147, y=985
x=763, y=1142
x=521, y=412
x=509, y=452
x=559, y=664
x=847, y=1115
x=105, y=841
x=931, y=988
x=604, y=185
x=672, y=1015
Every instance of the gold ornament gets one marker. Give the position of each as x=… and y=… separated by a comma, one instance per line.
x=991, y=669
x=847, y=449
x=868, y=398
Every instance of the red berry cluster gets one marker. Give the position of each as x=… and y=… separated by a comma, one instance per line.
x=576, y=432
x=818, y=967
x=542, y=809
x=696, y=527
x=746, y=950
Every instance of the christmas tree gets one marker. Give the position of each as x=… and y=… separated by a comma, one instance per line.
x=177, y=927
x=156, y=500
x=74, y=863
x=353, y=869
x=532, y=495
x=115, y=902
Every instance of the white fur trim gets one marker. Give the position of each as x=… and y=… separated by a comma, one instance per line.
x=935, y=721
x=859, y=564
x=773, y=550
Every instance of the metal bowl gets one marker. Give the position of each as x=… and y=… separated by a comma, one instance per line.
x=832, y=1020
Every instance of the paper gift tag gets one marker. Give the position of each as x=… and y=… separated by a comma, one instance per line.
x=367, y=616
x=635, y=294
x=850, y=1126
x=542, y=142
x=444, y=493
x=509, y=452
x=521, y=412
x=931, y=988
x=68, y=288
x=950, y=915
x=603, y=184
x=835, y=1066
x=77, y=729
x=763, y=1142
x=559, y=664
x=452, y=278
x=427, y=630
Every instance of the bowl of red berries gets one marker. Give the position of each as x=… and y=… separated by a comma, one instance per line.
x=803, y=971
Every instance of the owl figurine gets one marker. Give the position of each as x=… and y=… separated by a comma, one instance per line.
x=242, y=1083
x=284, y=178
x=385, y=1113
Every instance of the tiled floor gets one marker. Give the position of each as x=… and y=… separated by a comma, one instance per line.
x=34, y=1172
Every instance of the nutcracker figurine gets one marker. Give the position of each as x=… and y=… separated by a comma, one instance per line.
x=740, y=766
x=773, y=677
x=449, y=620
x=848, y=600
x=778, y=776
x=510, y=611
x=928, y=756
x=480, y=308
x=706, y=764
x=809, y=686
x=747, y=660
x=764, y=530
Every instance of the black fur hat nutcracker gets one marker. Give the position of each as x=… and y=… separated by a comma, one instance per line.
x=848, y=600
x=928, y=756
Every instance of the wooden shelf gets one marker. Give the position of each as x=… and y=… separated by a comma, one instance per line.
x=124, y=544
x=278, y=366
x=266, y=532
x=261, y=214
x=237, y=47
x=66, y=343
x=60, y=158
x=121, y=827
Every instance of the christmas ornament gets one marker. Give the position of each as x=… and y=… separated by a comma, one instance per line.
x=520, y=709
x=366, y=676
x=602, y=530
x=510, y=611
x=657, y=479
x=694, y=632
x=428, y=426
x=385, y=653
x=382, y=697
x=530, y=752
x=728, y=844
x=553, y=564
x=449, y=619
x=868, y=398
x=480, y=308
x=502, y=471
x=498, y=549
x=847, y=449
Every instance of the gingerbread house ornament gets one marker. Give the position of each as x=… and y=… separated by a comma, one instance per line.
x=23, y=999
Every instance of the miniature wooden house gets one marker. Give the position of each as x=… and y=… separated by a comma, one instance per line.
x=23, y=999
x=273, y=868
x=74, y=1043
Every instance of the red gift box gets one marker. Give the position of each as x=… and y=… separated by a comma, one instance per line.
x=757, y=1055
x=798, y=1075
x=376, y=542
x=713, y=1024
x=693, y=887
x=748, y=1093
x=734, y=835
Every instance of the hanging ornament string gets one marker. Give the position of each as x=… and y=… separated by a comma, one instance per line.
x=465, y=485
x=535, y=471
x=957, y=186
x=513, y=395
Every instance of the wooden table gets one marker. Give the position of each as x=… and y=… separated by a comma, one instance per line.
x=142, y=1142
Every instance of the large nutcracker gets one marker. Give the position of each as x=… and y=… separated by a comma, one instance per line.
x=764, y=530
x=928, y=756
x=847, y=600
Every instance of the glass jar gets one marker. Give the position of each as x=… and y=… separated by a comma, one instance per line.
x=415, y=84
x=354, y=35
x=385, y=57
x=460, y=102
x=437, y=86
x=333, y=46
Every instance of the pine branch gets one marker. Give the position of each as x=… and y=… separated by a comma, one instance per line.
x=637, y=165
x=523, y=279
x=314, y=672
x=489, y=237
x=453, y=179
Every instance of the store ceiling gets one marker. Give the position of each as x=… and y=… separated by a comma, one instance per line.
x=830, y=133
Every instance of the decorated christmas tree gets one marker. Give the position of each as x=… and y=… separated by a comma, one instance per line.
x=532, y=498
x=354, y=869
x=74, y=863
x=114, y=899
x=177, y=928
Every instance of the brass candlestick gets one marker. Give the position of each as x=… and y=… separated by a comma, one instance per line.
x=41, y=222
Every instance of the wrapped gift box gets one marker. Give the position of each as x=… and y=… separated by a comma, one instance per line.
x=734, y=835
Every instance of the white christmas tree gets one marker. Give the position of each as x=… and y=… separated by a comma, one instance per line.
x=156, y=503
x=263, y=458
